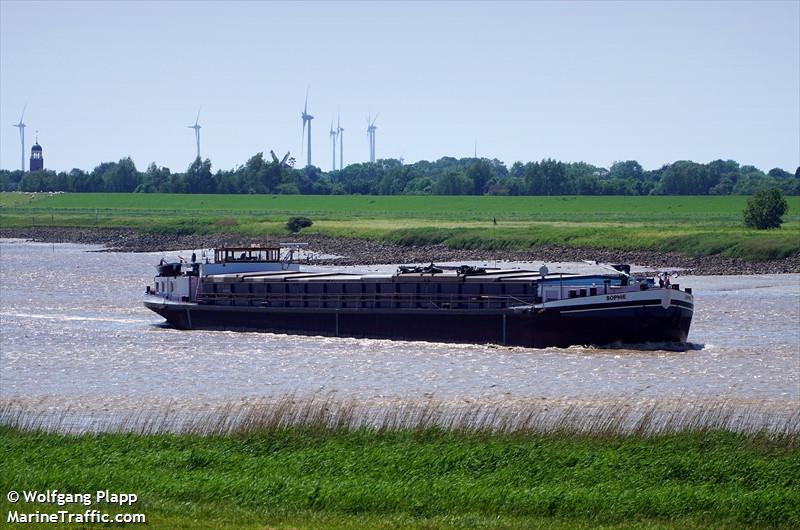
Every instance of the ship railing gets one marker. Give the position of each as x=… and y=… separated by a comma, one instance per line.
x=367, y=300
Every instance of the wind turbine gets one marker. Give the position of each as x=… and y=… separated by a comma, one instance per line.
x=333, y=133
x=21, y=127
x=196, y=128
x=340, y=133
x=371, y=132
x=307, y=119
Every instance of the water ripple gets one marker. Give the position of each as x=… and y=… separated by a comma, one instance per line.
x=74, y=328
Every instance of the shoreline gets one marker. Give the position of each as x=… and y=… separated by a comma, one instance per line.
x=369, y=252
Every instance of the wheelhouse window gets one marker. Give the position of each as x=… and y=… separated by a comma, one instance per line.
x=247, y=255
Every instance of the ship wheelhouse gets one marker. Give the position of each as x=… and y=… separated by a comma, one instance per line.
x=181, y=280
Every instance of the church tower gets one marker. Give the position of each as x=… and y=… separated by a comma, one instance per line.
x=37, y=161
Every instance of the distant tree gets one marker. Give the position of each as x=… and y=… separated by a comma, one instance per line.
x=453, y=183
x=751, y=180
x=720, y=168
x=418, y=186
x=479, y=173
x=618, y=187
x=765, y=209
x=535, y=180
x=723, y=187
x=59, y=181
x=518, y=170
x=584, y=178
x=779, y=173
x=154, y=180
x=250, y=177
x=199, y=177
x=549, y=177
x=362, y=178
x=101, y=175
x=9, y=180
x=287, y=188
x=587, y=185
x=685, y=177
x=270, y=174
x=32, y=182
x=790, y=186
x=497, y=188
x=722, y=176
x=445, y=176
x=122, y=177
x=630, y=169
x=516, y=186
x=398, y=180
x=323, y=186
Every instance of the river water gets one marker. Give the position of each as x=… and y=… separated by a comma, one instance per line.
x=76, y=336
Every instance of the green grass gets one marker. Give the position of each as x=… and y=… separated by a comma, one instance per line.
x=421, y=478
x=725, y=209
x=299, y=463
x=696, y=226
x=215, y=517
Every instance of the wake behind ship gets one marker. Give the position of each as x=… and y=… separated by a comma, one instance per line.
x=256, y=289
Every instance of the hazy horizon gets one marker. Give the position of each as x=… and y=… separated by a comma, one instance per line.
x=596, y=82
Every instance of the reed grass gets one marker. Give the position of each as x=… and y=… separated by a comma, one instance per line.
x=598, y=419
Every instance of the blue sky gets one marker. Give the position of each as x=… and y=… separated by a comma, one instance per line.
x=598, y=82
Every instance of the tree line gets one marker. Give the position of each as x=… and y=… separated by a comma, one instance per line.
x=446, y=176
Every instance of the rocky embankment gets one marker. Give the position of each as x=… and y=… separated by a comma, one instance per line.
x=365, y=252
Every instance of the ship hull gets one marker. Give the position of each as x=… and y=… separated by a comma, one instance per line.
x=589, y=324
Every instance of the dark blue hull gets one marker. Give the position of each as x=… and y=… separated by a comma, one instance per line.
x=529, y=328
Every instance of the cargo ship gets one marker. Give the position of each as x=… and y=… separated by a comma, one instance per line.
x=263, y=289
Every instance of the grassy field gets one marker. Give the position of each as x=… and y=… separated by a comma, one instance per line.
x=429, y=478
x=420, y=478
x=332, y=464
x=696, y=226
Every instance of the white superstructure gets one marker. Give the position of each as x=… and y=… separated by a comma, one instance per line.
x=179, y=281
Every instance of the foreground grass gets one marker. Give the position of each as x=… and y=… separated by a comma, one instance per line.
x=696, y=226
x=309, y=478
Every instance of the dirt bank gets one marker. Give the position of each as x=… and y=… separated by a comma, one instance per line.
x=365, y=252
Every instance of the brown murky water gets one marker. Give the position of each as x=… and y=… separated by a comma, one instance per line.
x=75, y=334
